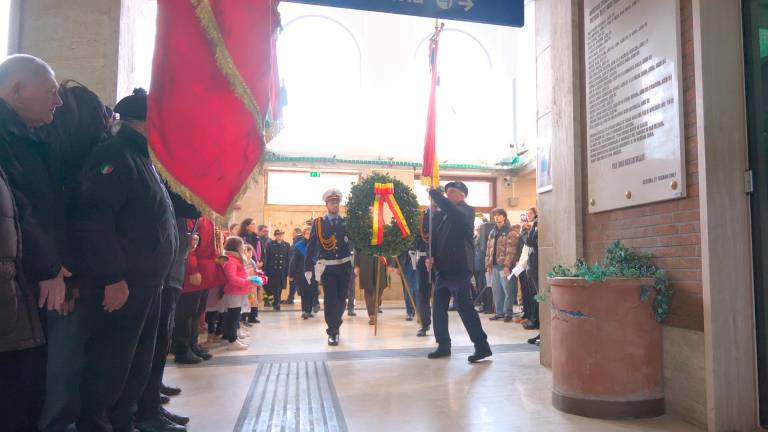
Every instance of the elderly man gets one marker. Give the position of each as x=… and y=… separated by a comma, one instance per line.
x=453, y=256
x=330, y=248
x=28, y=98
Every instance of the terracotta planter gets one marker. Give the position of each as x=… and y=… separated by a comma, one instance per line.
x=606, y=349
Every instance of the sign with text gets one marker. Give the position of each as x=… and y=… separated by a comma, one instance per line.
x=635, y=141
x=500, y=12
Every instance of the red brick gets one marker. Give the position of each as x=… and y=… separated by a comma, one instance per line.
x=674, y=251
x=689, y=228
x=678, y=263
x=680, y=240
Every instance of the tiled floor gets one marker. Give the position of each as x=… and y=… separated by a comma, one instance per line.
x=384, y=382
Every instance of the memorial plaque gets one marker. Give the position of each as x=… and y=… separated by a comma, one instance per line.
x=635, y=141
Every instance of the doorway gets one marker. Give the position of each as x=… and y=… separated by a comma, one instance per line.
x=755, y=21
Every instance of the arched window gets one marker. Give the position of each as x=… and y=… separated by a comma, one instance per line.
x=319, y=61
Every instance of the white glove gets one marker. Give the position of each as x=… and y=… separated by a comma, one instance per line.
x=308, y=275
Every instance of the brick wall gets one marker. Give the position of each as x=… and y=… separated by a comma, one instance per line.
x=668, y=230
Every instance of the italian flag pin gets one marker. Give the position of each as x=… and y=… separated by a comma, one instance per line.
x=106, y=169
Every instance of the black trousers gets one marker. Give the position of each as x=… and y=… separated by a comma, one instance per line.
x=424, y=295
x=67, y=336
x=149, y=404
x=22, y=374
x=459, y=287
x=309, y=293
x=292, y=287
x=118, y=359
x=231, y=320
x=530, y=289
x=187, y=313
x=335, y=286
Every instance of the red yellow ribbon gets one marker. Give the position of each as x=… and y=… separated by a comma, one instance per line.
x=385, y=193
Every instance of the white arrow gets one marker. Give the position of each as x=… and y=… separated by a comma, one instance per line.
x=468, y=4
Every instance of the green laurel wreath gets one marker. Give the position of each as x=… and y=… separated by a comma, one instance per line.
x=360, y=223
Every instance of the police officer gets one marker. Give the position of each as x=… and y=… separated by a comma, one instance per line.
x=276, y=266
x=330, y=249
x=126, y=228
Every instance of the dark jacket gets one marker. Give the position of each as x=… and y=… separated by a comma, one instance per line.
x=125, y=223
x=30, y=169
x=372, y=272
x=452, y=242
x=532, y=241
x=276, y=259
x=19, y=323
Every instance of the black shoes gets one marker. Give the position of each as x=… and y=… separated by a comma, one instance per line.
x=169, y=391
x=534, y=340
x=201, y=352
x=187, y=357
x=531, y=326
x=507, y=319
x=164, y=400
x=277, y=306
x=480, y=353
x=333, y=340
x=159, y=424
x=175, y=418
x=316, y=308
x=409, y=318
x=495, y=317
x=422, y=331
x=441, y=351
x=304, y=315
x=351, y=312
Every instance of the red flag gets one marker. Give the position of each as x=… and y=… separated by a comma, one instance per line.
x=213, y=82
x=430, y=171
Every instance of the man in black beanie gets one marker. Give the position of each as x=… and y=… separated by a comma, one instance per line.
x=126, y=228
x=453, y=259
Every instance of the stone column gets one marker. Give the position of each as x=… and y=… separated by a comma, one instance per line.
x=78, y=38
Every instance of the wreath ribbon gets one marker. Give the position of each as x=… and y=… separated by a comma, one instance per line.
x=385, y=193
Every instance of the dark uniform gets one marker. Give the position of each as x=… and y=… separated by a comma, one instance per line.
x=307, y=289
x=126, y=228
x=338, y=267
x=149, y=404
x=276, y=261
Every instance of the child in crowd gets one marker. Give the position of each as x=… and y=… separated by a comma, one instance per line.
x=236, y=291
x=252, y=316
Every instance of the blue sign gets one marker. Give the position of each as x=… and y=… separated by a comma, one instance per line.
x=500, y=12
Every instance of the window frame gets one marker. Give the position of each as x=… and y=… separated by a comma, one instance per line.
x=300, y=171
x=490, y=180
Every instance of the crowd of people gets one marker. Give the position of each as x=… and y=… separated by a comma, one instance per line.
x=105, y=271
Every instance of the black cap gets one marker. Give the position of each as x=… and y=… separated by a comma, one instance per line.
x=133, y=107
x=458, y=185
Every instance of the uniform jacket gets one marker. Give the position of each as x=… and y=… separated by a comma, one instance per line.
x=316, y=252
x=277, y=259
x=125, y=222
x=296, y=269
x=237, y=277
x=452, y=237
x=19, y=323
x=30, y=170
x=505, y=239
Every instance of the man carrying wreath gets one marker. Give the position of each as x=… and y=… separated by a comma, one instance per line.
x=329, y=248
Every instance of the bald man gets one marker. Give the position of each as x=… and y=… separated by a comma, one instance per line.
x=28, y=99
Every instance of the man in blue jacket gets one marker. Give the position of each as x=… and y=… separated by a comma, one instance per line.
x=453, y=259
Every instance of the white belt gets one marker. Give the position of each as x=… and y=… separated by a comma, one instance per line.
x=415, y=255
x=334, y=262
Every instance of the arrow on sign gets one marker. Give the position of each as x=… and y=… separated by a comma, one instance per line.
x=468, y=4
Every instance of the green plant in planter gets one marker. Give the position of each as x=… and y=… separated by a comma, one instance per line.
x=622, y=262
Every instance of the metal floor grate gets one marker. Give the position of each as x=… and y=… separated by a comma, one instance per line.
x=292, y=396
